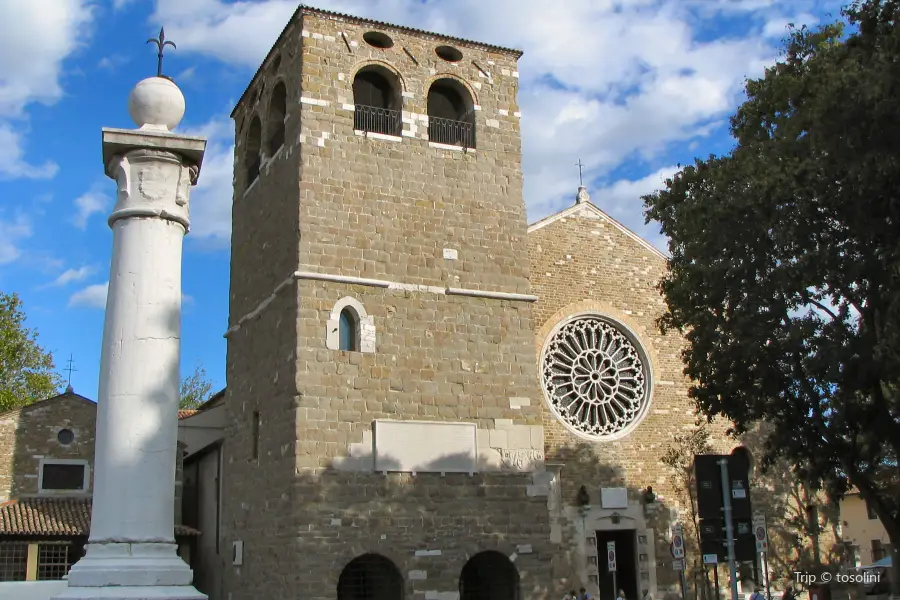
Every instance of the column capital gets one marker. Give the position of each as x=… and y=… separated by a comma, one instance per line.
x=118, y=142
x=154, y=172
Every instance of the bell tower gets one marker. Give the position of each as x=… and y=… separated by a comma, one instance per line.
x=380, y=341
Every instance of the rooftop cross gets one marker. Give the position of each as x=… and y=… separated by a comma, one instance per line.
x=161, y=43
x=580, y=178
x=70, y=367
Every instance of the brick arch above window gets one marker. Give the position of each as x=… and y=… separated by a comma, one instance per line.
x=364, y=325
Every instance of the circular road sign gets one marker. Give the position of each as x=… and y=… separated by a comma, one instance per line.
x=760, y=533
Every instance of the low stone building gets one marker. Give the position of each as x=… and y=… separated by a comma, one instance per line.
x=46, y=465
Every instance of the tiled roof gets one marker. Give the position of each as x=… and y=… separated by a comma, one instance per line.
x=54, y=516
x=184, y=414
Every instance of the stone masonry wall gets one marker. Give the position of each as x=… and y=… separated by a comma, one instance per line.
x=379, y=208
x=261, y=355
x=29, y=434
x=585, y=263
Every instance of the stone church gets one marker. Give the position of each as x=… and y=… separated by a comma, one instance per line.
x=426, y=396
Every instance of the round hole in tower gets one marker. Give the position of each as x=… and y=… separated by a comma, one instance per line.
x=65, y=437
x=448, y=53
x=376, y=39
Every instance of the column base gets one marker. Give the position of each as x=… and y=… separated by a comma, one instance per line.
x=112, y=571
x=132, y=593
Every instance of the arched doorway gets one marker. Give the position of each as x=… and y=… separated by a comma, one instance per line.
x=489, y=575
x=370, y=577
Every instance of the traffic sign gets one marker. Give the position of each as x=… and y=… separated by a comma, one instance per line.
x=678, y=565
x=710, y=559
x=760, y=533
x=677, y=542
x=611, y=556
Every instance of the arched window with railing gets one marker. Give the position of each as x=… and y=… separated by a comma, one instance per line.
x=451, y=114
x=275, y=119
x=252, y=147
x=377, y=99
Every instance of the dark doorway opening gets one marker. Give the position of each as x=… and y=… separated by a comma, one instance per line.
x=370, y=577
x=626, y=564
x=489, y=576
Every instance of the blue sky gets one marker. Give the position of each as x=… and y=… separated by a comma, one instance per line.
x=630, y=87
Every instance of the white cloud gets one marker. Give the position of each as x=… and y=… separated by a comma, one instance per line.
x=113, y=62
x=12, y=164
x=11, y=233
x=93, y=296
x=92, y=201
x=46, y=38
x=604, y=81
x=74, y=275
x=210, y=203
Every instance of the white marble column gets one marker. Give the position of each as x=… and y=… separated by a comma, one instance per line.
x=131, y=551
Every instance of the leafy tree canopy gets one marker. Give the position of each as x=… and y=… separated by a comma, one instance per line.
x=785, y=259
x=196, y=389
x=27, y=372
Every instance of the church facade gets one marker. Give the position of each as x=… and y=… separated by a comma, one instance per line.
x=426, y=397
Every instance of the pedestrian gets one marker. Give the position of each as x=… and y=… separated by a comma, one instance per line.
x=756, y=595
x=571, y=596
x=583, y=595
x=645, y=595
x=788, y=593
x=621, y=595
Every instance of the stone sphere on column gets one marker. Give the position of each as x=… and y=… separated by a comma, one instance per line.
x=157, y=104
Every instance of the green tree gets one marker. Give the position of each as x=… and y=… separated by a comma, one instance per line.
x=785, y=262
x=196, y=389
x=679, y=461
x=27, y=372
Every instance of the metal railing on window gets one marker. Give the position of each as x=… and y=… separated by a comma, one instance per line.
x=450, y=132
x=54, y=561
x=13, y=562
x=372, y=119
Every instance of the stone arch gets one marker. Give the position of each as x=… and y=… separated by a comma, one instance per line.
x=641, y=380
x=253, y=149
x=275, y=119
x=489, y=575
x=370, y=577
x=744, y=457
x=378, y=98
x=473, y=93
x=349, y=312
x=450, y=104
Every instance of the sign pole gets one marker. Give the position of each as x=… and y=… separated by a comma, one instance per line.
x=678, y=553
x=716, y=578
x=762, y=548
x=729, y=527
x=611, y=565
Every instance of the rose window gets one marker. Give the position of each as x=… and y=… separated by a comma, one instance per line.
x=595, y=377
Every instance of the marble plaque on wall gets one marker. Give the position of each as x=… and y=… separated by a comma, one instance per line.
x=425, y=447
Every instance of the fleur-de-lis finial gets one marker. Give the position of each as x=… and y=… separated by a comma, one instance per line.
x=161, y=44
